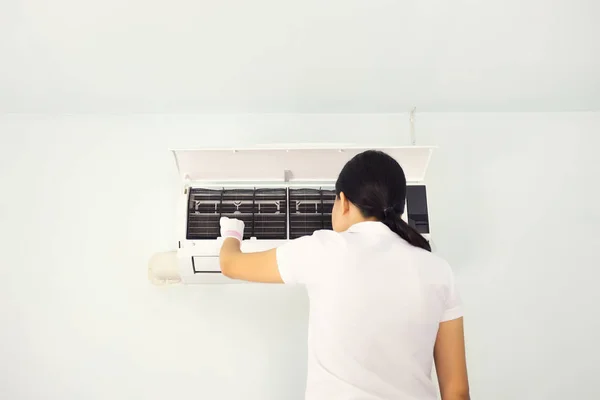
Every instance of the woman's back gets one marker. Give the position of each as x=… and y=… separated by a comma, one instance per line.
x=382, y=307
x=376, y=303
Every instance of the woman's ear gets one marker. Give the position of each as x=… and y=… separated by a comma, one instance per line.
x=344, y=203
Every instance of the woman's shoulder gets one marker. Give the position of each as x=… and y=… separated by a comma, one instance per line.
x=326, y=237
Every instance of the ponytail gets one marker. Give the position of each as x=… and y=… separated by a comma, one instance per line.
x=405, y=231
x=375, y=183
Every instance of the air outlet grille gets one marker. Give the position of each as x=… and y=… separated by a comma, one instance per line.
x=310, y=210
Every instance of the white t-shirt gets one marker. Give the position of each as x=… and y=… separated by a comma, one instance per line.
x=375, y=307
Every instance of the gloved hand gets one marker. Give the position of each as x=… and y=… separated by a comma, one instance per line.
x=232, y=228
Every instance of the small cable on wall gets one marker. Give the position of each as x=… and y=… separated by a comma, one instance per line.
x=413, y=137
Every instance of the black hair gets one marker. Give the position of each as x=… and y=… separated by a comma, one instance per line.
x=375, y=183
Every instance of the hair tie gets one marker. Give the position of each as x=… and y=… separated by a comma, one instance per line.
x=392, y=211
x=389, y=212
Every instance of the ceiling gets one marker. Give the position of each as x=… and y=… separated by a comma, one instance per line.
x=309, y=56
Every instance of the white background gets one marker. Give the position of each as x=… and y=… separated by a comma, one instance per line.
x=85, y=201
x=157, y=56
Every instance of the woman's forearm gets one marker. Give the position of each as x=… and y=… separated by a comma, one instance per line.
x=230, y=249
x=456, y=396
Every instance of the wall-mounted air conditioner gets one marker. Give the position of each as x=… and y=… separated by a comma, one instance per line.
x=280, y=194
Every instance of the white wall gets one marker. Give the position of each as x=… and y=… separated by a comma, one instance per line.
x=301, y=56
x=85, y=200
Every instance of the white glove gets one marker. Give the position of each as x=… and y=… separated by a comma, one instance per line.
x=232, y=228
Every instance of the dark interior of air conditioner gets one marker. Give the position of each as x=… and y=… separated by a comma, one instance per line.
x=416, y=205
x=267, y=212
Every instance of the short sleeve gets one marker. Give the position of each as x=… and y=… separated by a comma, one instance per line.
x=300, y=260
x=453, y=306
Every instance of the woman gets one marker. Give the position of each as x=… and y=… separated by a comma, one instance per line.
x=383, y=308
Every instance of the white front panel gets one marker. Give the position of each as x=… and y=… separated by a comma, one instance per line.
x=213, y=247
x=199, y=260
x=204, y=264
x=210, y=279
x=309, y=164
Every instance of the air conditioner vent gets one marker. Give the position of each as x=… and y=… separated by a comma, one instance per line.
x=310, y=210
x=262, y=210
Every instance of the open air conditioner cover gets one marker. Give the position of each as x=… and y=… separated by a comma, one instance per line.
x=296, y=164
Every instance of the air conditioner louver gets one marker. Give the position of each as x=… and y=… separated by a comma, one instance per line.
x=310, y=210
x=262, y=210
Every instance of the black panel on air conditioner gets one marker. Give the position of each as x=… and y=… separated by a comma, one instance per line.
x=416, y=204
x=262, y=210
x=310, y=210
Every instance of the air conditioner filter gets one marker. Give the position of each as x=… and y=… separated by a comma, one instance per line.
x=262, y=210
x=310, y=210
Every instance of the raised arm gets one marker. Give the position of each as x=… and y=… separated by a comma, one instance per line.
x=296, y=261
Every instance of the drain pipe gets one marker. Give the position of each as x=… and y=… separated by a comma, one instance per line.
x=163, y=268
x=413, y=137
